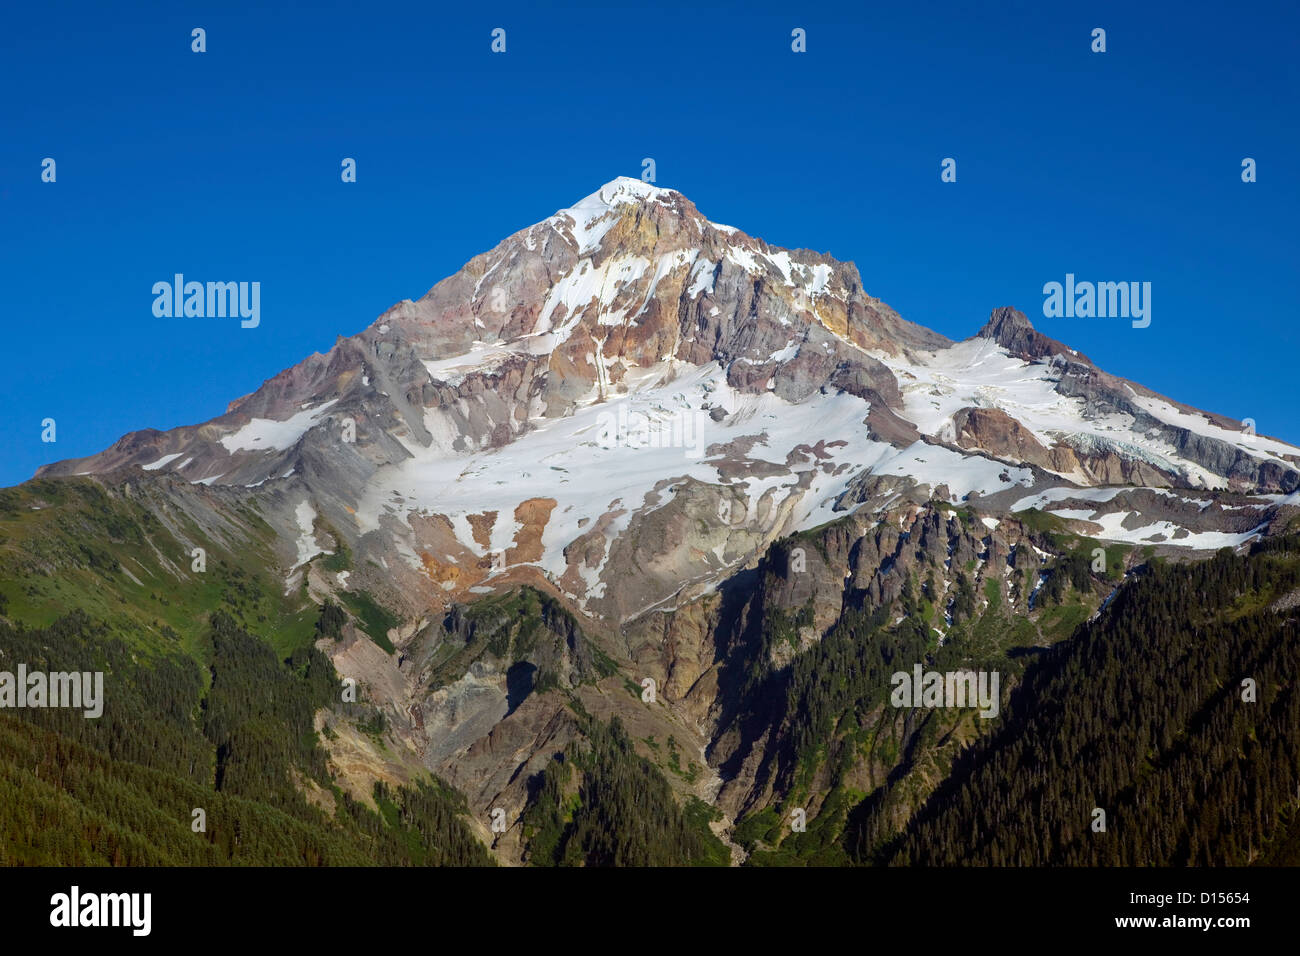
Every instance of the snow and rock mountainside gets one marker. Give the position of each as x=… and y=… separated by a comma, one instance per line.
x=627, y=402
x=627, y=445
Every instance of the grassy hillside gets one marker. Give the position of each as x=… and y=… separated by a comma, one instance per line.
x=73, y=544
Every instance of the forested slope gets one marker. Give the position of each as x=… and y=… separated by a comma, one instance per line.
x=122, y=789
x=1143, y=714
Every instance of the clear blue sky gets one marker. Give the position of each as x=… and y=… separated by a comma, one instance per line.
x=225, y=166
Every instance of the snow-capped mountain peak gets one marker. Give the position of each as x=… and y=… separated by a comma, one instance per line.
x=628, y=386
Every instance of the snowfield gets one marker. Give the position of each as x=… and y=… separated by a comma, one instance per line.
x=573, y=461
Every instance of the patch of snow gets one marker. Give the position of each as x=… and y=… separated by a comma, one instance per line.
x=701, y=278
x=155, y=465
x=307, y=547
x=261, y=434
